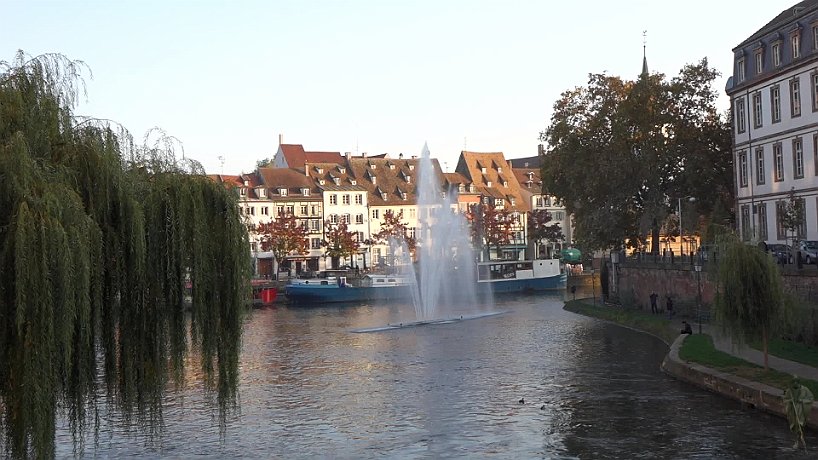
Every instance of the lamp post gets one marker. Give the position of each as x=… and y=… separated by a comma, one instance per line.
x=698, y=268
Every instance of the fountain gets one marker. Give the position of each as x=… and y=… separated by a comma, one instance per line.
x=445, y=279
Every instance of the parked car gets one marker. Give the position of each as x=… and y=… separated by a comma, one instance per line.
x=809, y=251
x=782, y=253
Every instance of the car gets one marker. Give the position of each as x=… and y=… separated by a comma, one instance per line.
x=809, y=251
x=782, y=253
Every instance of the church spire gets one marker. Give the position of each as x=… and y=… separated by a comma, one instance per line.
x=644, y=54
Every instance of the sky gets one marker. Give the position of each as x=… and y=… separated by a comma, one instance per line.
x=228, y=77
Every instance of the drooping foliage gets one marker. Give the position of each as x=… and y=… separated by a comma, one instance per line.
x=620, y=152
x=99, y=241
x=751, y=303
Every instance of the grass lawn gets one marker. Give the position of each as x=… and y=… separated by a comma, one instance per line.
x=793, y=351
x=699, y=349
x=655, y=324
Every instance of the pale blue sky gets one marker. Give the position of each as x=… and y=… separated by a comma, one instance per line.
x=227, y=78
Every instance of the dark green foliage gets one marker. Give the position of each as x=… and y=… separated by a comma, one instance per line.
x=751, y=303
x=97, y=241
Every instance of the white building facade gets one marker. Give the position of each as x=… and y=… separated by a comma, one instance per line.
x=774, y=97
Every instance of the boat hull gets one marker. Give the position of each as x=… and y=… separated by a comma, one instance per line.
x=334, y=293
x=506, y=286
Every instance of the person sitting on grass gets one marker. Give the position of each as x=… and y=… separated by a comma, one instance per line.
x=686, y=329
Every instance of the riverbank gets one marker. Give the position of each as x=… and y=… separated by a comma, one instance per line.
x=728, y=377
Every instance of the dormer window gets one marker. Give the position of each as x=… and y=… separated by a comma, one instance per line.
x=408, y=179
x=247, y=183
x=383, y=196
x=488, y=183
x=483, y=170
x=391, y=166
x=530, y=175
x=321, y=181
x=342, y=169
x=795, y=42
x=262, y=192
x=759, y=61
x=499, y=169
x=353, y=182
x=305, y=191
x=471, y=188
x=775, y=49
x=337, y=180
x=461, y=188
x=505, y=183
x=512, y=200
x=411, y=167
x=243, y=191
x=319, y=170
x=372, y=166
x=282, y=191
x=403, y=195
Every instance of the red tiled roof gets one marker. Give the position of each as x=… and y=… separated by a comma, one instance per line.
x=296, y=156
x=470, y=164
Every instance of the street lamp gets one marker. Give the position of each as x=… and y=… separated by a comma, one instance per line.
x=698, y=268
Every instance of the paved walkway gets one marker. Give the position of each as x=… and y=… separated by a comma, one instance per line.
x=723, y=343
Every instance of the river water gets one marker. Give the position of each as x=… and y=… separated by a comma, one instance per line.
x=312, y=388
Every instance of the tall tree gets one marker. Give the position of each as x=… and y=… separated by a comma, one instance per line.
x=491, y=227
x=539, y=229
x=339, y=241
x=621, y=152
x=751, y=303
x=283, y=236
x=98, y=239
x=393, y=228
x=792, y=219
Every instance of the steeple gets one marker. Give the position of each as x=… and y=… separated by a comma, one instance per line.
x=644, y=54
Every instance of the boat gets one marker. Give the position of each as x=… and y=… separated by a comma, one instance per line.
x=337, y=288
x=506, y=276
x=264, y=292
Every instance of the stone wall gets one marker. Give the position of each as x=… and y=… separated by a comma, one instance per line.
x=757, y=395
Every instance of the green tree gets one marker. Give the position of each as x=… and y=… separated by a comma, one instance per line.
x=620, y=152
x=339, y=242
x=792, y=219
x=751, y=303
x=98, y=239
x=490, y=227
x=283, y=236
x=539, y=230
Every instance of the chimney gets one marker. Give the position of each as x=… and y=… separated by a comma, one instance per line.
x=280, y=139
x=400, y=156
x=307, y=169
x=347, y=154
x=363, y=155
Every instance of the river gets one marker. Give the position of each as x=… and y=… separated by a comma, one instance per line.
x=310, y=387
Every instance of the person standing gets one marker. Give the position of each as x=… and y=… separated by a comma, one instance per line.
x=653, y=307
x=669, y=307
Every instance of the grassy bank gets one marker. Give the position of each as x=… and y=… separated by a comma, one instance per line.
x=697, y=348
x=637, y=319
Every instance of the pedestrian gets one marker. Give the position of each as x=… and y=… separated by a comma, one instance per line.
x=669, y=307
x=653, y=307
x=686, y=329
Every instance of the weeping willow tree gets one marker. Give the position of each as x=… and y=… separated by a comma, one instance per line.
x=99, y=240
x=751, y=303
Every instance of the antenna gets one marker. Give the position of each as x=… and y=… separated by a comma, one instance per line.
x=221, y=160
x=644, y=42
x=464, y=143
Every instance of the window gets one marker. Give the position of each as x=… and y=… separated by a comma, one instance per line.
x=315, y=225
x=305, y=191
x=333, y=218
x=314, y=210
x=290, y=210
x=798, y=158
x=814, y=78
x=304, y=210
x=759, y=62
x=359, y=218
x=359, y=198
x=760, y=166
x=280, y=210
x=740, y=70
x=333, y=199
x=775, y=103
x=345, y=199
x=498, y=202
x=815, y=37
x=776, y=52
x=360, y=236
x=795, y=97
x=801, y=230
x=375, y=213
x=538, y=202
x=795, y=41
x=265, y=211
x=558, y=215
x=778, y=163
x=251, y=210
x=412, y=213
x=762, y=221
x=345, y=219
x=741, y=125
x=315, y=243
x=262, y=192
x=282, y=191
x=243, y=191
x=757, y=113
x=815, y=152
x=742, y=168
x=746, y=231
x=780, y=212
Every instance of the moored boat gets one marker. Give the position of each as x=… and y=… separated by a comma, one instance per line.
x=345, y=289
x=502, y=276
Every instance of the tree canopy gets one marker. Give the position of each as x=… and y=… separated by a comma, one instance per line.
x=490, y=227
x=540, y=230
x=98, y=240
x=283, y=236
x=339, y=241
x=621, y=152
x=393, y=228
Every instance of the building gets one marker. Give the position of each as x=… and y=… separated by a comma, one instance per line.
x=774, y=97
x=531, y=190
x=492, y=178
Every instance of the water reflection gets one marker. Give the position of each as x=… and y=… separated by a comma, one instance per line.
x=311, y=388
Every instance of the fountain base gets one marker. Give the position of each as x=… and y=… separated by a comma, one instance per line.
x=427, y=322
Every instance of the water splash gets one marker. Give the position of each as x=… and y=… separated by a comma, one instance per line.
x=447, y=279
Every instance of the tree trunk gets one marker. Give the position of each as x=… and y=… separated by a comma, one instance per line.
x=764, y=345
